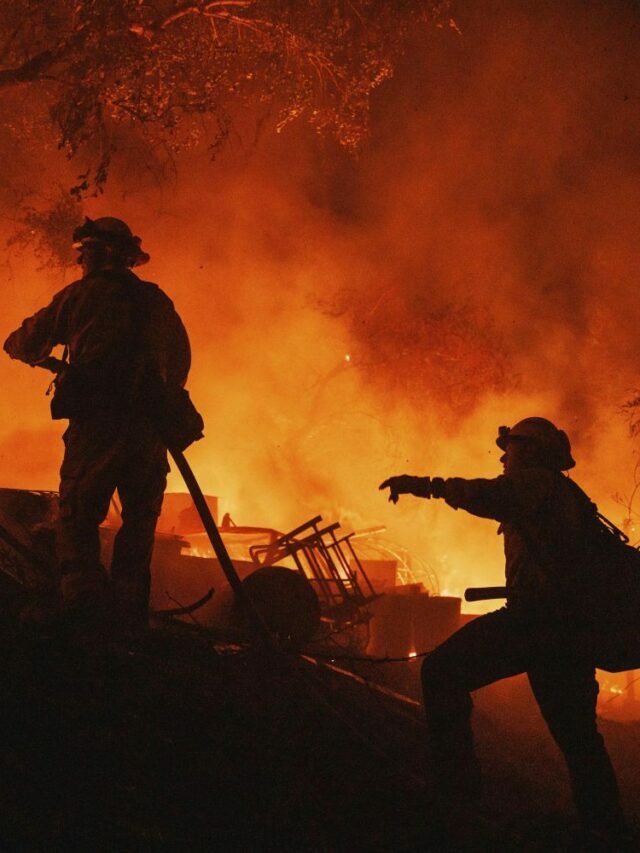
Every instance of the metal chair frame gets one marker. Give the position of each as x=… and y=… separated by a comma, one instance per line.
x=328, y=561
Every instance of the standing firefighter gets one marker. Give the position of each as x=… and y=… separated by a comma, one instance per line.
x=545, y=630
x=123, y=338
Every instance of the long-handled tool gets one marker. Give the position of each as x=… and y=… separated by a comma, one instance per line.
x=484, y=593
x=55, y=365
x=218, y=545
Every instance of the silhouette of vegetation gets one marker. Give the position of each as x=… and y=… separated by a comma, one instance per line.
x=178, y=70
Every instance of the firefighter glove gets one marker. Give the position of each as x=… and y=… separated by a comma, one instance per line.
x=407, y=485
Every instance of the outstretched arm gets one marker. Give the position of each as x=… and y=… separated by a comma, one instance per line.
x=502, y=498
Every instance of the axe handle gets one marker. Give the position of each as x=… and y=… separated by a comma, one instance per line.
x=218, y=545
x=55, y=365
x=484, y=593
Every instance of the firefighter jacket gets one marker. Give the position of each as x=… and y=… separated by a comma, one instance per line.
x=547, y=522
x=100, y=318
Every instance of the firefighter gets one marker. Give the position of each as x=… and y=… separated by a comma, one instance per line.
x=545, y=629
x=121, y=335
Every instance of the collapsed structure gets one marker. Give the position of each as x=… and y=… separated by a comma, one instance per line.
x=310, y=582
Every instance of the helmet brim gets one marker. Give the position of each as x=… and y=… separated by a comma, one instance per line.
x=560, y=457
x=137, y=255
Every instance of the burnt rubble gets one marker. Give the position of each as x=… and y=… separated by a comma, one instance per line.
x=179, y=741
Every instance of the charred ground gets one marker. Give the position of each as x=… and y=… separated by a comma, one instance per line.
x=177, y=744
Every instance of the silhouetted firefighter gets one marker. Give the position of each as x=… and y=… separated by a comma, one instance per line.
x=124, y=342
x=554, y=588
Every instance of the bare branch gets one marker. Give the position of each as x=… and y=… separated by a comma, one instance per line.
x=37, y=66
x=203, y=7
x=119, y=62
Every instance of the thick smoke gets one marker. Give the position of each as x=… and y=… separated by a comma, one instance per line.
x=353, y=319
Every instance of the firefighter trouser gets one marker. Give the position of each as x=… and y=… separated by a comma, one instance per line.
x=562, y=677
x=102, y=455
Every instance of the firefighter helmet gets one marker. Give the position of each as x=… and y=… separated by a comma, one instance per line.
x=115, y=234
x=543, y=434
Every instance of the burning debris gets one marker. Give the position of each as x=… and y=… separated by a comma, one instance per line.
x=27, y=538
x=335, y=591
x=344, y=311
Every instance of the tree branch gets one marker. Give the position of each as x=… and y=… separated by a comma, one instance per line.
x=203, y=7
x=35, y=67
x=38, y=65
x=199, y=8
x=301, y=47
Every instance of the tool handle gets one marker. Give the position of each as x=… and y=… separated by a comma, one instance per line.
x=484, y=593
x=55, y=365
x=218, y=545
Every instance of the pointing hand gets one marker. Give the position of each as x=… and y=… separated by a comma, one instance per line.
x=404, y=484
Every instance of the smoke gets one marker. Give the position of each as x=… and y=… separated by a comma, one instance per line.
x=353, y=319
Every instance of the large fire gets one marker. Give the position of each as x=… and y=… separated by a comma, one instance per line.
x=353, y=319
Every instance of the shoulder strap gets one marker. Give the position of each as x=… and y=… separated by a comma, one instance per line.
x=600, y=533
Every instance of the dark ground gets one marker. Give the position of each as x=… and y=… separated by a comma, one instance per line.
x=169, y=745
x=172, y=747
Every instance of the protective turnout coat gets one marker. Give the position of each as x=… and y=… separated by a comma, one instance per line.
x=98, y=318
x=119, y=331
x=550, y=530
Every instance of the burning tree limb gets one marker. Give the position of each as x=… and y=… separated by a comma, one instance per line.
x=101, y=64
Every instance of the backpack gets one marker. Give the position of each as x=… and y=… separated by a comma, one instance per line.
x=610, y=567
x=617, y=625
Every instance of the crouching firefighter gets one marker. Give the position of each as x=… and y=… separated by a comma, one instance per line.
x=122, y=338
x=556, y=579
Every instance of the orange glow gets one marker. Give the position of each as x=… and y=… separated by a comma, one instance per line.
x=619, y=697
x=487, y=206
